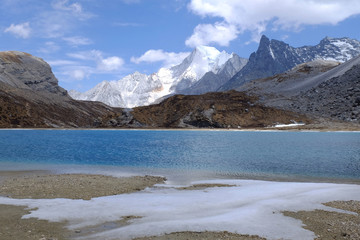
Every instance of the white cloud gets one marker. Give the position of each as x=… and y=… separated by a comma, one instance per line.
x=168, y=58
x=75, y=9
x=77, y=41
x=82, y=65
x=60, y=19
x=21, y=30
x=257, y=15
x=70, y=73
x=77, y=74
x=218, y=33
x=109, y=64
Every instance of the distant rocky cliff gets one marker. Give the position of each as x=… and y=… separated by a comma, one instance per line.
x=274, y=57
x=22, y=70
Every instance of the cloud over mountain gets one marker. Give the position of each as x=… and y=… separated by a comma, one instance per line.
x=258, y=15
x=159, y=55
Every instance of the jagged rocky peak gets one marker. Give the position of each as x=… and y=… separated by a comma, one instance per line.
x=22, y=70
x=274, y=57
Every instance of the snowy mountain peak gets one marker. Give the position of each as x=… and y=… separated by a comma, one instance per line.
x=206, y=51
x=139, y=89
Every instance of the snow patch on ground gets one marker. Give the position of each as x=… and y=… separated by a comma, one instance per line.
x=249, y=207
x=289, y=125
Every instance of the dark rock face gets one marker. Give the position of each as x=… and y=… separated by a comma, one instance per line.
x=338, y=98
x=274, y=57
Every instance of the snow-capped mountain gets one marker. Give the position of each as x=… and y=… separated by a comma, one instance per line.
x=274, y=57
x=140, y=89
x=211, y=81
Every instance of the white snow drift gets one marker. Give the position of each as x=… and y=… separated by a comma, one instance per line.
x=249, y=207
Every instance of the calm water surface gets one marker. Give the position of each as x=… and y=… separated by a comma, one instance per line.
x=334, y=155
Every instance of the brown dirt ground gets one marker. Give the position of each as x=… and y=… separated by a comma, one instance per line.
x=74, y=186
x=202, y=236
x=332, y=225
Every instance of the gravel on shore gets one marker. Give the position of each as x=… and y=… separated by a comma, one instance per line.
x=39, y=185
x=332, y=225
x=73, y=186
x=202, y=236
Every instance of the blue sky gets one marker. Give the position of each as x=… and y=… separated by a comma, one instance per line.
x=89, y=41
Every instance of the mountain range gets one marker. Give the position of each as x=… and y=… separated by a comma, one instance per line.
x=322, y=93
x=273, y=57
x=139, y=89
x=30, y=97
x=208, y=70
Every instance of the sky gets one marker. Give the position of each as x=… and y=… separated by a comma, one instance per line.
x=89, y=41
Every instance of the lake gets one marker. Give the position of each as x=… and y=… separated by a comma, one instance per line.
x=240, y=154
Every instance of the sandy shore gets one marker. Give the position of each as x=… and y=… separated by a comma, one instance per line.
x=40, y=185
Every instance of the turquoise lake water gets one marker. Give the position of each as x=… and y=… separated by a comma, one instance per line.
x=329, y=155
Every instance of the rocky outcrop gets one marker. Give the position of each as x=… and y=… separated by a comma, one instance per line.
x=212, y=110
x=22, y=70
x=31, y=97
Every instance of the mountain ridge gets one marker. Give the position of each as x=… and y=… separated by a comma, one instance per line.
x=39, y=106
x=274, y=57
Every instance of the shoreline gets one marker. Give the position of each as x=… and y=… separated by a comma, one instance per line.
x=173, y=176
x=303, y=128
x=23, y=183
